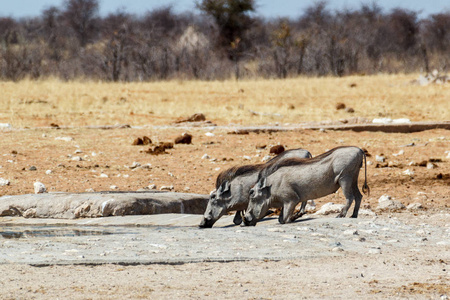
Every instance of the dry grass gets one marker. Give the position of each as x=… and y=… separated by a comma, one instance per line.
x=40, y=103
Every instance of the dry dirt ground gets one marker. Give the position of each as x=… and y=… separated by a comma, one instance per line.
x=27, y=155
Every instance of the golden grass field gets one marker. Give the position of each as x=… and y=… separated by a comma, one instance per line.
x=39, y=103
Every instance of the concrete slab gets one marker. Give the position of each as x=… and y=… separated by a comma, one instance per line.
x=102, y=204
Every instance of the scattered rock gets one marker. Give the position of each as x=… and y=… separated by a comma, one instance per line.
x=415, y=206
x=134, y=165
x=39, y=188
x=430, y=165
x=401, y=152
x=350, y=232
x=206, y=156
x=380, y=158
x=138, y=142
x=54, y=125
x=277, y=149
x=142, y=141
x=185, y=138
x=329, y=208
x=64, y=138
x=152, y=186
x=160, y=149
x=291, y=106
x=239, y=131
x=374, y=251
x=48, y=172
x=261, y=147
x=198, y=117
x=408, y=172
x=113, y=187
x=4, y=182
x=5, y=126
x=210, y=134
x=366, y=212
x=166, y=188
x=350, y=110
x=385, y=202
x=77, y=158
x=266, y=158
x=32, y=168
x=246, y=157
x=352, y=85
x=340, y=105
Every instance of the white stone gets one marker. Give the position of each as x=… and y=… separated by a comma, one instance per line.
x=89, y=190
x=266, y=158
x=5, y=126
x=48, y=172
x=64, y=138
x=384, y=198
x=401, y=121
x=401, y=152
x=134, y=165
x=408, y=172
x=414, y=206
x=113, y=187
x=78, y=151
x=380, y=158
x=152, y=186
x=209, y=134
x=166, y=188
x=329, y=208
x=430, y=165
x=205, y=156
x=374, y=251
x=39, y=188
x=4, y=182
x=77, y=158
x=382, y=121
x=366, y=212
x=246, y=157
x=103, y=175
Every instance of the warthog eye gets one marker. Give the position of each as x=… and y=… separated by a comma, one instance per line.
x=252, y=192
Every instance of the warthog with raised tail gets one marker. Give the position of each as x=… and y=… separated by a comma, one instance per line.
x=233, y=185
x=296, y=180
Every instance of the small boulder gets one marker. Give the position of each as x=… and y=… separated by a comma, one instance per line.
x=340, y=105
x=415, y=206
x=385, y=202
x=329, y=208
x=277, y=149
x=4, y=182
x=39, y=188
x=185, y=138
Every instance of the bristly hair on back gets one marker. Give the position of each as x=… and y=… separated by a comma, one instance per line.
x=294, y=162
x=236, y=171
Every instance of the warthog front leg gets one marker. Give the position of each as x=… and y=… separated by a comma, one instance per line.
x=238, y=217
x=301, y=212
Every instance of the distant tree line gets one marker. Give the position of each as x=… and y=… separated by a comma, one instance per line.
x=224, y=40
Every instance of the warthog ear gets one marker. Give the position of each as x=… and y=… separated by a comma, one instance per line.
x=225, y=186
x=262, y=183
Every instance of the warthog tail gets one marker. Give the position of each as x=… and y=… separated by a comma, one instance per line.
x=365, y=187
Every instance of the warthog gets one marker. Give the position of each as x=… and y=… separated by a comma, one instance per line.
x=296, y=180
x=233, y=185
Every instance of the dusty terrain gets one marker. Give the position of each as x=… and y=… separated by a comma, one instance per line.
x=419, y=270
x=78, y=159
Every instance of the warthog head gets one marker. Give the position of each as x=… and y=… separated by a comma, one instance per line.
x=258, y=203
x=217, y=205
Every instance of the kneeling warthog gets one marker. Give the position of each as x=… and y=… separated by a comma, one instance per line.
x=233, y=185
x=296, y=180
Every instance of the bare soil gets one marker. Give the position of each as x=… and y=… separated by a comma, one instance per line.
x=404, y=176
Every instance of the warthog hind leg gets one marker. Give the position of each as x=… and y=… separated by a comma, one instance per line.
x=347, y=189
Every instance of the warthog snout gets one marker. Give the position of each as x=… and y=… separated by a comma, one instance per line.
x=249, y=220
x=206, y=223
